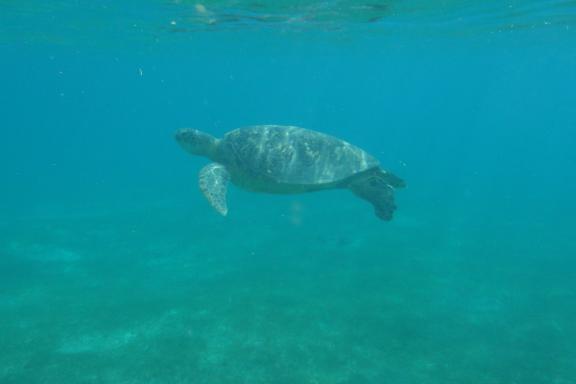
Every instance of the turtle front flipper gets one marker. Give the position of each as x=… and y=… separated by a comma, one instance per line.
x=213, y=180
x=378, y=188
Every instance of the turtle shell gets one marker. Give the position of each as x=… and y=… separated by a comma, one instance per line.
x=293, y=155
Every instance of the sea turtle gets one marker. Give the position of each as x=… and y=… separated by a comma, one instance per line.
x=286, y=160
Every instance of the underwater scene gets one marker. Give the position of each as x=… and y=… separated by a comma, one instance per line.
x=288, y=192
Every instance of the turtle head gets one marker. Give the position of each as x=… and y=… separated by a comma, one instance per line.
x=197, y=142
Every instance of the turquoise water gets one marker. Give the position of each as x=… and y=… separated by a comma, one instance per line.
x=114, y=269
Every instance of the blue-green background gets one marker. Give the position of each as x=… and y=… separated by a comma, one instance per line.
x=113, y=269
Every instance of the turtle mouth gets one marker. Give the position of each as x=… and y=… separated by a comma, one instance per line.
x=181, y=134
x=185, y=138
x=188, y=138
x=194, y=141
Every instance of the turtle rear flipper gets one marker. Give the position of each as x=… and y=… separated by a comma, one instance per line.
x=213, y=179
x=393, y=180
x=375, y=188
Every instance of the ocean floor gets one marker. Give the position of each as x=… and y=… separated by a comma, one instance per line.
x=270, y=297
